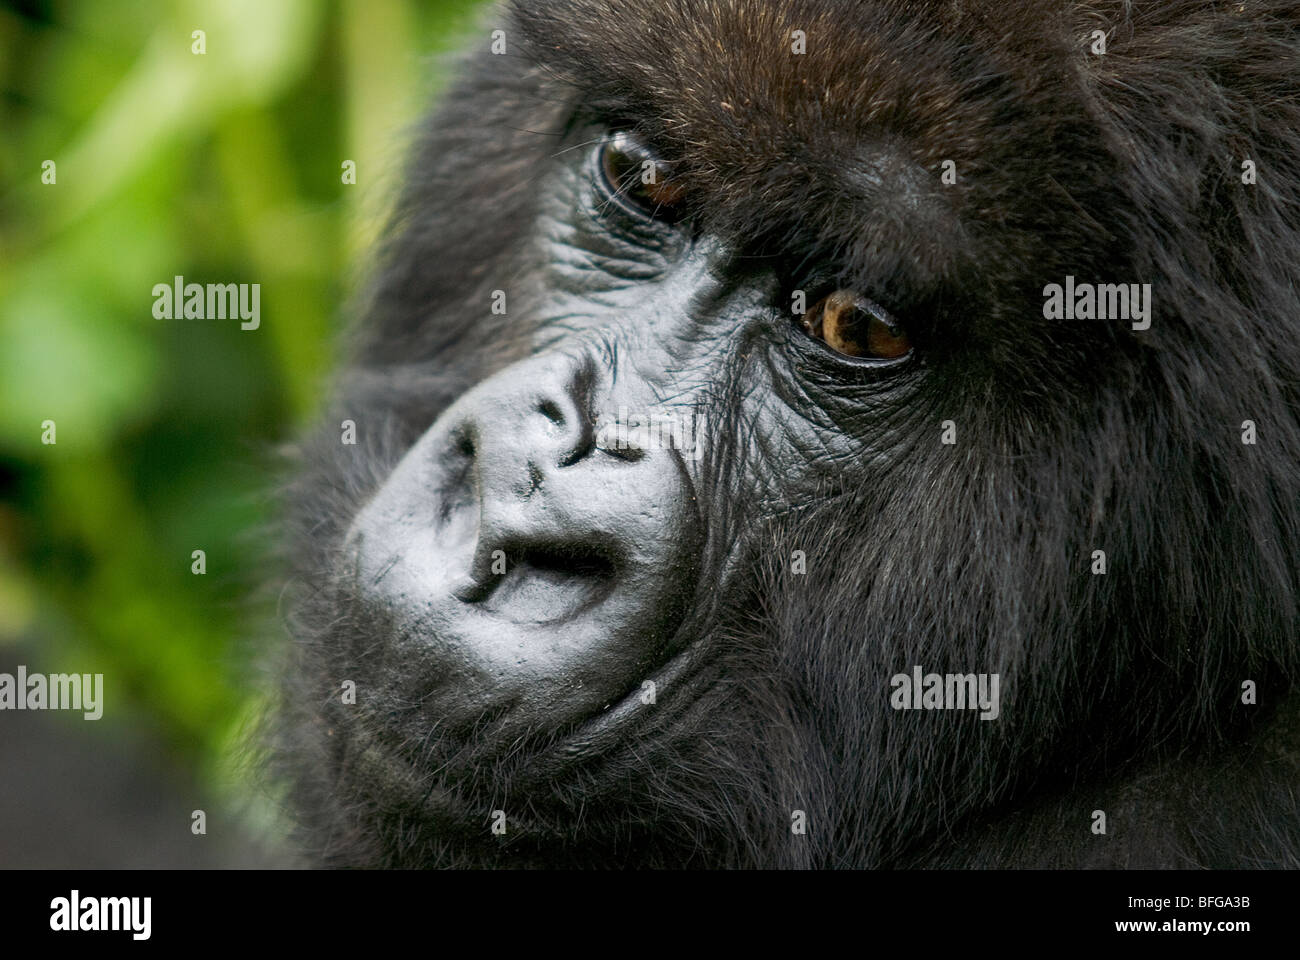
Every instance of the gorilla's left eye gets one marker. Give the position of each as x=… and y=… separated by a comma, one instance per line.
x=639, y=180
x=854, y=326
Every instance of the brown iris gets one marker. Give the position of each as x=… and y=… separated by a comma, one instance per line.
x=851, y=324
x=640, y=179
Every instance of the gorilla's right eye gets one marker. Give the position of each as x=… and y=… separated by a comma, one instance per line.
x=638, y=180
x=856, y=327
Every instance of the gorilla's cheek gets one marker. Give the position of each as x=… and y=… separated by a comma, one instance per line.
x=524, y=573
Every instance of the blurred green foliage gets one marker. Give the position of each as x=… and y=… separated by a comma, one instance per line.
x=220, y=167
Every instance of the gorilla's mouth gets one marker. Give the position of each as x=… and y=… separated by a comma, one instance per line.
x=545, y=585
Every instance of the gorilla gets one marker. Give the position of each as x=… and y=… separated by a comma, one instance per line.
x=817, y=433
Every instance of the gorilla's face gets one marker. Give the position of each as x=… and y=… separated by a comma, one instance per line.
x=536, y=549
x=708, y=386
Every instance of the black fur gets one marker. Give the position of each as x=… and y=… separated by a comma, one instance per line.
x=1120, y=692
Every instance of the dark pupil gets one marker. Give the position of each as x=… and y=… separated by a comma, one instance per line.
x=623, y=167
x=624, y=171
x=855, y=326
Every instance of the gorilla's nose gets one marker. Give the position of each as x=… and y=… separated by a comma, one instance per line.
x=541, y=557
x=564, y=524
x=541, y=549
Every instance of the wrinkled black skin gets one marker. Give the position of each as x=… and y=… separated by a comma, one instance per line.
x=1120, y=692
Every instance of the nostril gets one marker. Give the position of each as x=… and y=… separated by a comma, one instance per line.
x=461, y=442
x=577, y=433
x=552, y=412
x=628, y=452
x=621, y=441
x=456, y=494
